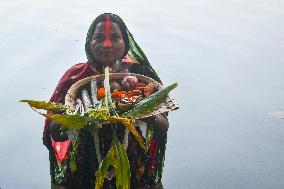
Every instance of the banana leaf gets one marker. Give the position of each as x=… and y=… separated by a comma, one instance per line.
x=150, y=103
x=73, y=154
x=102, y=171
x=108, y=99
x=74, y=122
x=118, y=167
x=129, y=123
x=124, y=181
x=77, y=122
x=101, y=116
x=46, y=105
x=116, y=157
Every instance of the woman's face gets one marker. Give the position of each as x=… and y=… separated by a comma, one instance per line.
x=107, y=43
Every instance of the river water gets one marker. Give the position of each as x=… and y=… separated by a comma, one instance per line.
x=226, y=55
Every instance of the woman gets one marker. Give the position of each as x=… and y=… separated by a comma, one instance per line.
x=108, y=43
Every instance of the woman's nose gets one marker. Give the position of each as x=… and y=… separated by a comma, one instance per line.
x=107, y=42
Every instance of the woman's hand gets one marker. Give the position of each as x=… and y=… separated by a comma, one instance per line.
x=57, y=133
x=162, y=125
x=55, y=186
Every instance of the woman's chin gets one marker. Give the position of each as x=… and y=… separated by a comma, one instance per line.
x=108, y=63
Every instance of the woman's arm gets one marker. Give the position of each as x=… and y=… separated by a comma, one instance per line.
x=55, y=186
x=57, y=133
x=162, y=125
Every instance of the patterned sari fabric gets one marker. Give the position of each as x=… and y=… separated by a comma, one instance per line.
x=146, y=168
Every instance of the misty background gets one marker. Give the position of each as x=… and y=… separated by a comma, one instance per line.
x=226, y=55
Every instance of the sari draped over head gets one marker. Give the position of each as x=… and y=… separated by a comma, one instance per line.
x=139, y=65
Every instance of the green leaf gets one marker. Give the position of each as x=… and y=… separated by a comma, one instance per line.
x=46, y=105
x=150, y=103
x=129, y=123
x=73, y=154
x=98, y=114
x=118, y=168
x=74, y=122
x=101, y=173
x=117, y=157
x=124, y=167
x=108, y=99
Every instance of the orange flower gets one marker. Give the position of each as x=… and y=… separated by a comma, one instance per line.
x=119, y=94
x=101, y=93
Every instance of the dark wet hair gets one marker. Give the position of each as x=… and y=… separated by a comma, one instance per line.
x=101, y=18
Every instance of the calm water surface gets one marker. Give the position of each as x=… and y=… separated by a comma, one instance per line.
x=227, y=57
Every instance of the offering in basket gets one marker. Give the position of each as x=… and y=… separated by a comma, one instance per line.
x=128, y=92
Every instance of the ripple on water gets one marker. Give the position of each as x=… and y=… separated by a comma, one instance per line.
x=277, y=114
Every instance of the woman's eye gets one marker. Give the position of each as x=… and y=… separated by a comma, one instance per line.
x=98, y=37
x=115, y=37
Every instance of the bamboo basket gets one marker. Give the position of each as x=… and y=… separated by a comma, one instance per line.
x=73, y=93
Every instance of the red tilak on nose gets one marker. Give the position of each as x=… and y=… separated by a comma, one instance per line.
x=107, y=42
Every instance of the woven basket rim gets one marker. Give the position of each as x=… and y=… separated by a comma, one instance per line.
x=169, y=104
x=73, y=90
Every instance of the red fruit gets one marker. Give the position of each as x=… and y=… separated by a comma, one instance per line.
x=129, y=82
x=149, y=89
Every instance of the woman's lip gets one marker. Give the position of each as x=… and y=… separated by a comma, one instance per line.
x=106, y=52
x=106, y=55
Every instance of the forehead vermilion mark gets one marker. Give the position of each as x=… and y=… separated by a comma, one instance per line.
x=107, y=42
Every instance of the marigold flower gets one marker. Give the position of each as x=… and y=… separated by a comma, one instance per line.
x=101, y=93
